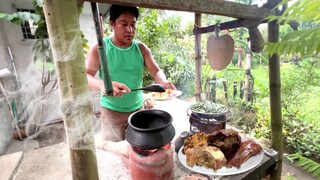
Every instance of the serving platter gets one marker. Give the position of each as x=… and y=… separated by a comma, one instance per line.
x=224, y=171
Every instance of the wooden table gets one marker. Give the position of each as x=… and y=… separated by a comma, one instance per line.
x=178, y=110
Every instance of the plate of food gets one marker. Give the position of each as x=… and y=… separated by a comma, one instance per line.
x=209, y=154
x=223, y=171
x=169, y=94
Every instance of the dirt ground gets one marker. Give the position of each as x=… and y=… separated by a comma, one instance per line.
x=55, y=133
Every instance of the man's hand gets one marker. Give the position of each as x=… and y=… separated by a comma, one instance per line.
x=118, y=88
x=168, y=85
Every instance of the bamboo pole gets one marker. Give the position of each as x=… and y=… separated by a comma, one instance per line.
x=62, y=19
x=197, y=22
x=275, y=98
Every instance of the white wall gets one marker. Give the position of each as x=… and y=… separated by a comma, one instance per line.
x=29, y=76
x=6, y=128
x=10, y=36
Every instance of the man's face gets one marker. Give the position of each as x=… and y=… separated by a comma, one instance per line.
x=124, y=28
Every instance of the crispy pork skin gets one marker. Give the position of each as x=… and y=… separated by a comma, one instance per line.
x=195, y=140
x=247, y=149
x=208, y=156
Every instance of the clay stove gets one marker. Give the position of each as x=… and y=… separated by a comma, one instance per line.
x=149, y=134
x=156, y=164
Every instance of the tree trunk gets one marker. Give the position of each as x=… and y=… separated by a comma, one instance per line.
x=246, y=88
x=275, y=97
x=62, y=19
x=198, y=59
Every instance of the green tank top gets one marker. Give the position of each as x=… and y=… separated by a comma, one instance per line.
x=126, y=65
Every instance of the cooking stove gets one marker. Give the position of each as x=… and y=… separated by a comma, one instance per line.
x=156, y=164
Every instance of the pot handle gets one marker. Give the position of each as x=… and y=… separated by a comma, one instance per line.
x=189, y=112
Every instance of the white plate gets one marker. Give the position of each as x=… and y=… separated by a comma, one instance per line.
x=224, y=171
x=173, y=94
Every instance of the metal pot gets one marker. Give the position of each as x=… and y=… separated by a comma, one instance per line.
x=219, y=117
x=149, y=129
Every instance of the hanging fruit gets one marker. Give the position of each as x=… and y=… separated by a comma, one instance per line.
x=219, y=50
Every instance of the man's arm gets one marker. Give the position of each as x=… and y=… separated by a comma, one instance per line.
x=153, y=68
x=92, y=65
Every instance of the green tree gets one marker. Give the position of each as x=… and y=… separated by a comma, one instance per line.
x=302, y=41
x=305, y=41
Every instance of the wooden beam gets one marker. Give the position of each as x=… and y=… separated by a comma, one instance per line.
x=226, y=25
x=217, y=7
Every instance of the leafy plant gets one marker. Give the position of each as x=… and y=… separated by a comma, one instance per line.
x=307, y=164
x=302, y=41
x=20, y=17
x=168, y=45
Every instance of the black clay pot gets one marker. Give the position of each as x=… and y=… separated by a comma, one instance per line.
x=149, y=129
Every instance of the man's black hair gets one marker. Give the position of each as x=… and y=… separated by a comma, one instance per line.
x=116, y=10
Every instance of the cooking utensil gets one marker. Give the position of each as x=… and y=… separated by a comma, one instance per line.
x=152, y=88
x=219, y=117
x=101, y=50
x=149, y=129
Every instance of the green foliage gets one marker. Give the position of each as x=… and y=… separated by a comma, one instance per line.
x=303, y=41
x=307, y=164
x=300, y=117
x=297, y=83
x=19, y=17
x=306, y=42
x=169, y=46
x=302, y=10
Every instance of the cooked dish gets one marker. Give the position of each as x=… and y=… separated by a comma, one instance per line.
x=209, y=107
x=218, y=149
x=165, y=95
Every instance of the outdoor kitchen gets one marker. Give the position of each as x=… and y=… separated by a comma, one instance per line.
x=166, y=136
x=115, y=162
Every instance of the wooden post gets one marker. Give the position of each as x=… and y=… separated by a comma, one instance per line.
x=246, y=88
x=240, y=51
x=275, y=97
x=214, y=88
x=225, y=88
x=198, y=59
x=235, y=85
x=275, y=100
x=241, y=89
x=62, y=19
